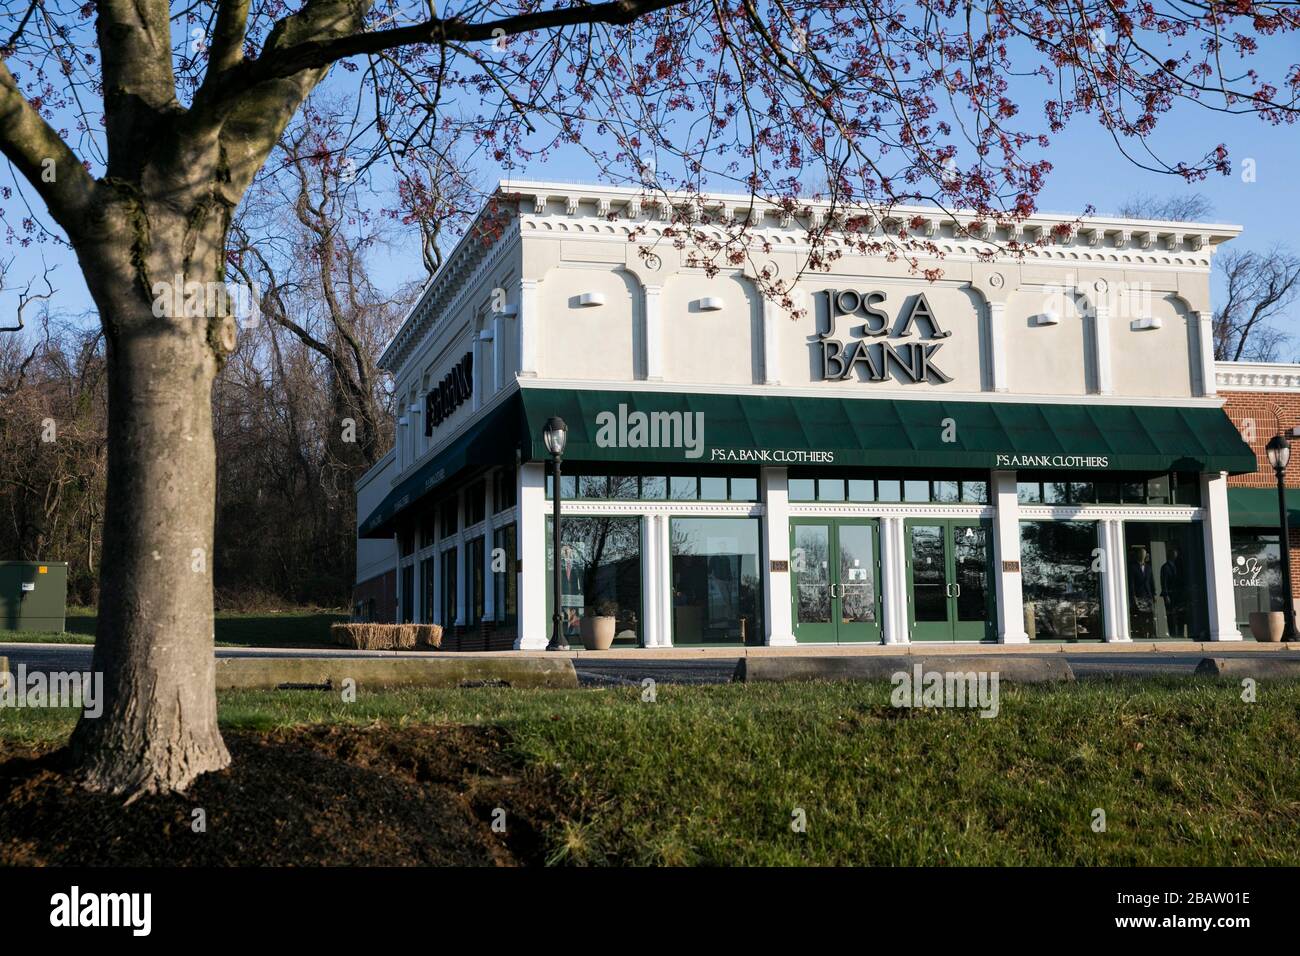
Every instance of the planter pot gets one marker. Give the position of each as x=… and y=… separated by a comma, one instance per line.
x=1267, y=625
x=597, y=633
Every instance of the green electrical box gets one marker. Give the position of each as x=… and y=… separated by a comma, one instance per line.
x=33, y=595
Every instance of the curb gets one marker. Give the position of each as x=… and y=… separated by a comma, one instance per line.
x=1019, y=670
x=1248, y=667
x=319, y=673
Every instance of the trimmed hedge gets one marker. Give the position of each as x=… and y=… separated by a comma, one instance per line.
x=387, y=637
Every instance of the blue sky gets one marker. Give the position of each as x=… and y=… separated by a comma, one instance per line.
x=1088, y=170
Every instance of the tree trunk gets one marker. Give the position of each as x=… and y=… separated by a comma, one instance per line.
x=154, y=641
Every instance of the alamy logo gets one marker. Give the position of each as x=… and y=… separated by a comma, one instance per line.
x=967, y=689
x=626, y=429
x=74, y=908
x=55, y=689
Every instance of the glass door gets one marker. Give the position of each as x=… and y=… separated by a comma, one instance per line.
x=835, y=580
x=949, y=596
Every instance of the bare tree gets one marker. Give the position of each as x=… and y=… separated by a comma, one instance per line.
x=1259, y=288
x=1192, y=207
x=171, y=113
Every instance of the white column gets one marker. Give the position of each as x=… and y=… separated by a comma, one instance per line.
x=1101, y=343
x=665, y=563
x=397, y=581
x=654, y=333
x=1205, y=343
x=1218, y=559
x=1006, y=550
x=498, y=352
x=534, y=628
x=997, y=345
x=893, y=581
x=649, y=582
x=775, y=496
x=481, y=379
x=529, y=332
x=1114, y=585
x=462, y=569
x=771, y=351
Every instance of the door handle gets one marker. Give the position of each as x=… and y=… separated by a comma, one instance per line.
x=957, y=585
x=833, y=594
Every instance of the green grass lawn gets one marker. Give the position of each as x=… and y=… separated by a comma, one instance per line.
x=1185, y=771
x=295, y=628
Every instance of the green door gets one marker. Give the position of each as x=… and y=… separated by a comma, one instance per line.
x=835, y=580
x=950, y=596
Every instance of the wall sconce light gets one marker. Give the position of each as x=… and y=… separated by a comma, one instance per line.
x=485, y=335
x=1150, y=322
x=588, y=299
x=710, y=303
x=1050, y=317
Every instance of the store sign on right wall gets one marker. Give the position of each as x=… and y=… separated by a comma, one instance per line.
x=876, y=354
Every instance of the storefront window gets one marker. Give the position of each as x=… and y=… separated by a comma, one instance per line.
x=1166, y=580
x=1060, y=569
x=600, y=487
x=1256, y=574
x=1056, y=488
x=600, y=576
x=504, y=493
x=716, y=580
x=427, y=573
x=476, y=578
x=447, y=562
x=942, y=490
x=408, y=594
x=505, y=576
x=447, y=517
x=475, y=503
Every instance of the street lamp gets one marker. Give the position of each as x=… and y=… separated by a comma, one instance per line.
x=555, y=434
x=1279, y=453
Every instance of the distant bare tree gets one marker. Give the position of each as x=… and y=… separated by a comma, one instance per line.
x=1190, y=208
x=1259, y=288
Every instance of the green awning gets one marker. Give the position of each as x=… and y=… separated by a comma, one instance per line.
x=687, y=429
x=492, y=440
x=1257, y=507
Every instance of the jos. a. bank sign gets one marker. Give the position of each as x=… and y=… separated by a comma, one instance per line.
x=876, y=354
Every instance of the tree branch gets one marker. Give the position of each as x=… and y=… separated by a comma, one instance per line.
x=42, y=156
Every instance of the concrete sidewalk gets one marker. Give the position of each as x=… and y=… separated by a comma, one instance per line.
x=928, y=648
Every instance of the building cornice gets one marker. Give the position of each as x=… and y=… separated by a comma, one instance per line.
x=571, y=209
x=1257, y=376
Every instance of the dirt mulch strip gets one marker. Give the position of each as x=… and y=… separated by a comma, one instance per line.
x=317, y=796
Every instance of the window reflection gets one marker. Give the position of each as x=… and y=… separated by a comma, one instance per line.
x=1166, y=580
x=1256, y=574
x=600, y=575
x=1062, y=586
x=717, y=586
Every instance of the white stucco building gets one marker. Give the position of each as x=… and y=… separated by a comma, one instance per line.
x=1028, y=448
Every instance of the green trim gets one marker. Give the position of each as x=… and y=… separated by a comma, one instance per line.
x=836, y=630
x=492, y=440
x=1257, y=507
x=781, y=430
x=951, y=628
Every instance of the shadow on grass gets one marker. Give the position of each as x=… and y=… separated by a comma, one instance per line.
x=306, y=629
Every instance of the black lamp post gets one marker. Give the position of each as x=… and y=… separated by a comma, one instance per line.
x=1279, y=453
x=554, y=435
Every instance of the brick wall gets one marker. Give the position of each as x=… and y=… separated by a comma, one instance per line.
x=1263, y=415
x=383, y=590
